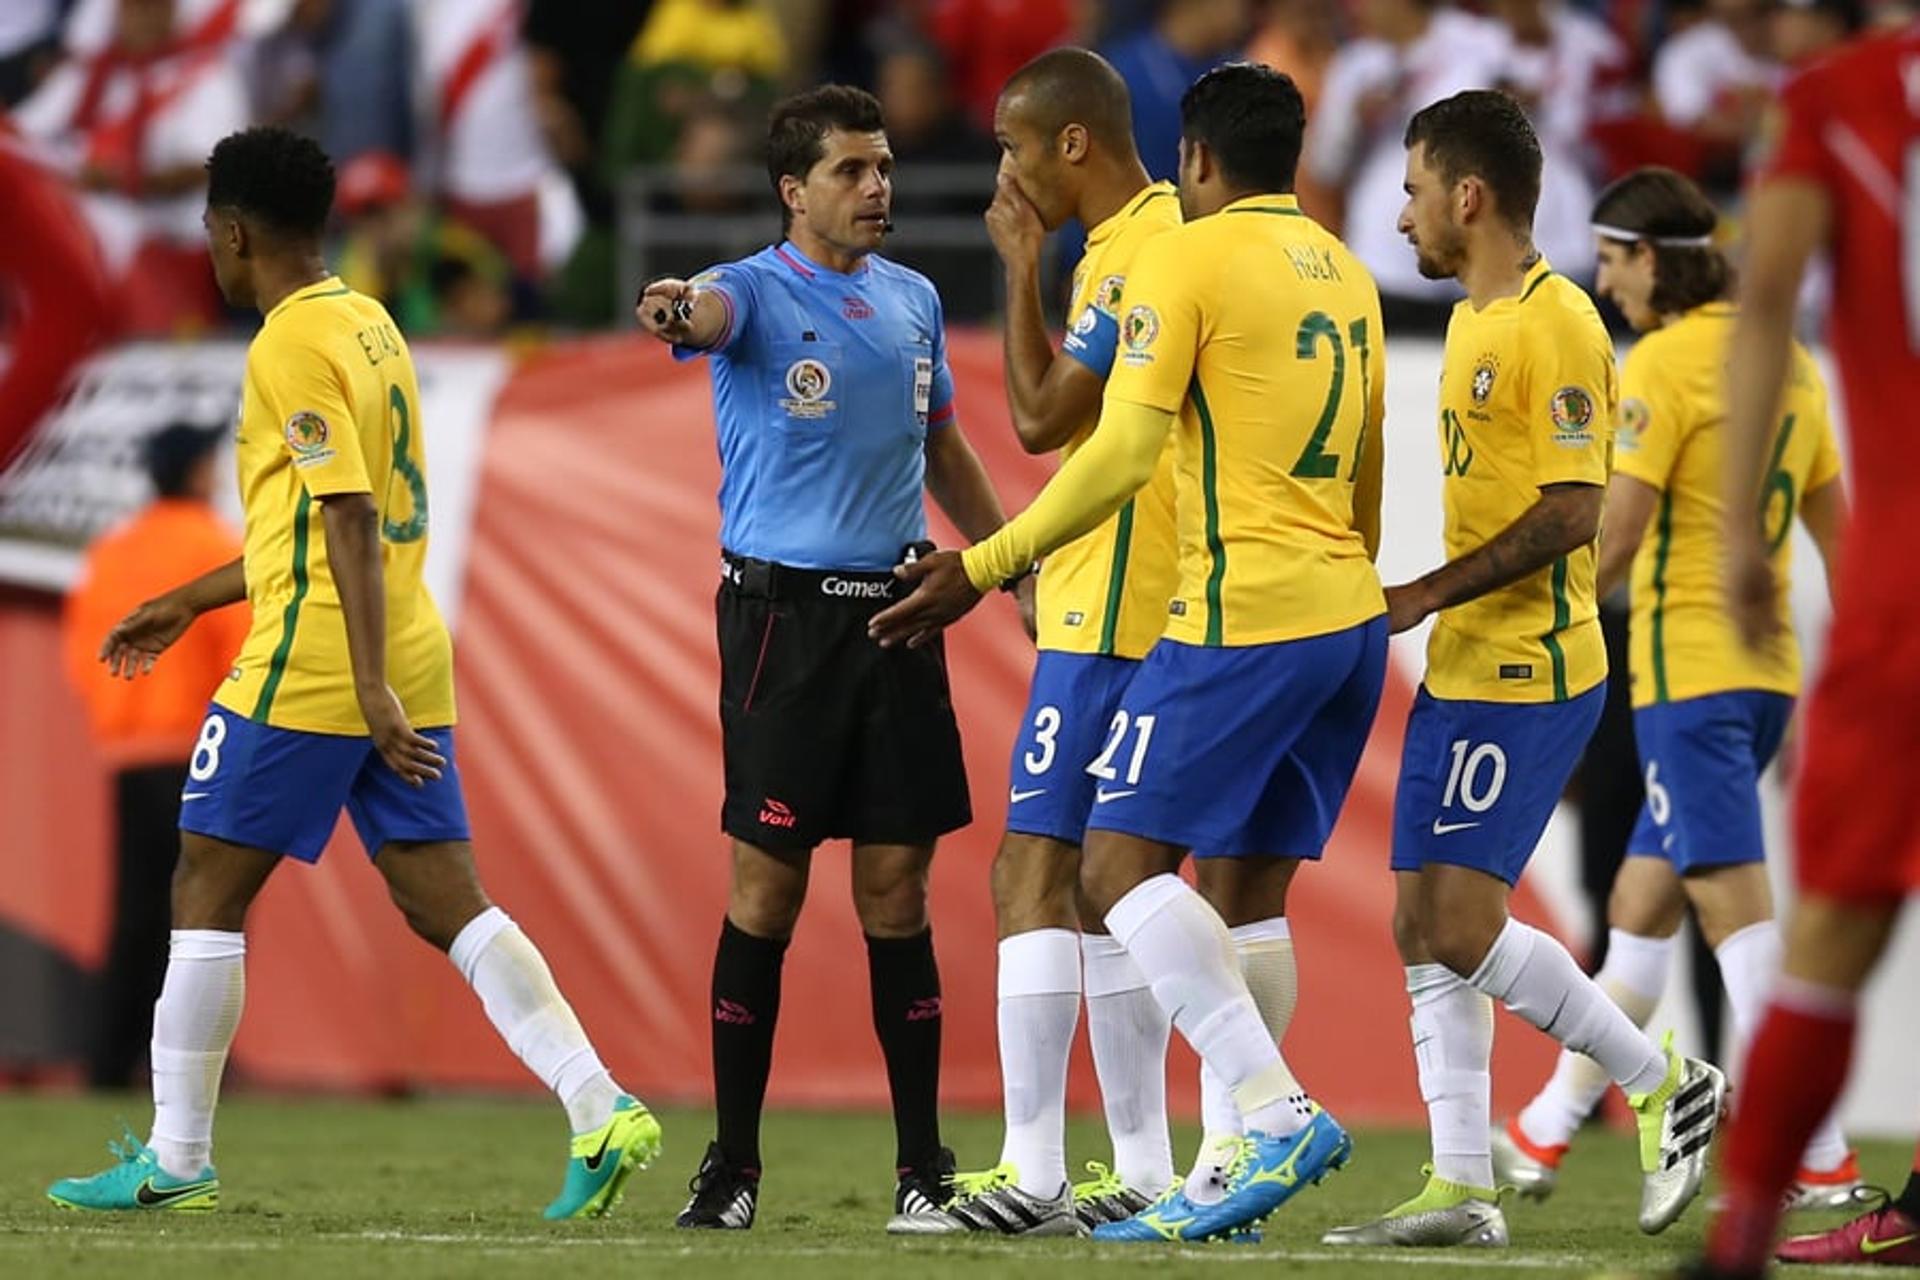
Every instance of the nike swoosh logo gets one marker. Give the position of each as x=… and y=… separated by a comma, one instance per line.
x=1017, y=795
x=1448, y=828
x=1869, y=1246
x=593, y=1161
x=1103, y=795
x=194, y=795
x=152, y=1197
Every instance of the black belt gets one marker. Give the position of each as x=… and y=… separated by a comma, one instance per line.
x=764, y=579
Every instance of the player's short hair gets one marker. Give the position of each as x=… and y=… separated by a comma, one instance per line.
x=172, y=452
x=1657, y=205
x=798, y=128
x=1483, y=133
x=1253, y=120
x=1076, y=86
x=278, y=178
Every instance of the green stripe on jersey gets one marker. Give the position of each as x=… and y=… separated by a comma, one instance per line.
x=290, y=620
x=1662, y=547
x=1210, y=491
x=1117, y=576
x=1562, y=614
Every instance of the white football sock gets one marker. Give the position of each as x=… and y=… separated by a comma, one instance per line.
x=1039, y=987
x=193, y=1025
x=1128, y=1031
x=1749, y=963
x=518, y=993
x=1532, y=974
x=1453, y=1050
x=1634, y=977
x=1183, y=948
x=1265, y=948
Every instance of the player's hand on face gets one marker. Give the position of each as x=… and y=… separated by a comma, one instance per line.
x=941, y=594
x=1751, y=591
x=143, y=635
x=412, y=755
x=1406, y=607
x=665, y=309
x=1014, y=224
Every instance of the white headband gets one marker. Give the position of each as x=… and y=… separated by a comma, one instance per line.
x=1674, y=242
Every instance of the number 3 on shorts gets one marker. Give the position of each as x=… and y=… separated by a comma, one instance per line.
x=1102, y=768
x=206, y=749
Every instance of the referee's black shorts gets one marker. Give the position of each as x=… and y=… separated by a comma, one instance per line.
x=826, y=734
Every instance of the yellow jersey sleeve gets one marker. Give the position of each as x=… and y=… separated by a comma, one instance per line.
x=1572, y=392
x=306, y=393
x=1827, y=465
x=1654, y=422
x=1161, y=324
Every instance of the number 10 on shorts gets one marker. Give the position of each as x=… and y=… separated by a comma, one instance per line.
x=1103, y=766
x=1478, y=775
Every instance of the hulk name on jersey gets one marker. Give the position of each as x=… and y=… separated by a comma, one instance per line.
x=330, y=406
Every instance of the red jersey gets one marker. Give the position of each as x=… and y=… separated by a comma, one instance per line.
x=1852, y=124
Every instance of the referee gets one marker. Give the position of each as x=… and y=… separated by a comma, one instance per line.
x=835, y=407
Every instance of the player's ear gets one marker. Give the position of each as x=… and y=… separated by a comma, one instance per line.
x=793, y=194
x=239, y=242
x=1074, y=143
x=1469, y=199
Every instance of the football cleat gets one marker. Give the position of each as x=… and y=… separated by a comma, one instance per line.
x=1169, y=1219
x=1520, y=1163
x=725, y=1197
x=1267, y=1172
x=1106, y=1197
x=600, y=1161
x=1677, y=1123
x=1444, y=1214
x=1884, y=1236
x=993, y=1203
x=135, y=1181
x=920, y=1196
x=1815, y=1191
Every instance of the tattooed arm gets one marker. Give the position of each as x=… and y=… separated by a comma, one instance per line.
x=1566, y=517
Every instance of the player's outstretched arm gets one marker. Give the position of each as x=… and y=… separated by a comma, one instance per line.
x=679, y=313
x=1566, y=517
x=1049, y=393
x=1116, y=462
x=1786, y=220
x=352, y=524
x=136, y=640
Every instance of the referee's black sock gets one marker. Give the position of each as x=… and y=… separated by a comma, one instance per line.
x=746, y=1004
x=906, y=1014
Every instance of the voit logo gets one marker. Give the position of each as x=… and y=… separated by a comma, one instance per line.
x=808, y=382
x=775, y=814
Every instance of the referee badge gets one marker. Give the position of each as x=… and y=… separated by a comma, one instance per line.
x=808, y=382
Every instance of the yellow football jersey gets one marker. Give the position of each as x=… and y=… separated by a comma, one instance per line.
x=1262, y=332
x=1106, y=592
x=1672, y=412
x=1528, y=396
x=331, y=406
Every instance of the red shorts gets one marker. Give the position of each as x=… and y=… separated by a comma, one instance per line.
x=1857, y=821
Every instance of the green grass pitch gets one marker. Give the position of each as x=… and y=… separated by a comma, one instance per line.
x=351, y=1190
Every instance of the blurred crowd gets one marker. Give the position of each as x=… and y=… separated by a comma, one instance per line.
x=481, y=144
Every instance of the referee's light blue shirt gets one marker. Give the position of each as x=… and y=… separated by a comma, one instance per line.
x=824, y=388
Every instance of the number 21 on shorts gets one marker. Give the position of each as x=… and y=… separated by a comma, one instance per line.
x=1103, y=765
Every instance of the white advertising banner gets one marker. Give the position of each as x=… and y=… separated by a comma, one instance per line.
x=82, y=471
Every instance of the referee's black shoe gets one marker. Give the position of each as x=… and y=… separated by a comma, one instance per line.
x=724, y=1196
x=921, y=1194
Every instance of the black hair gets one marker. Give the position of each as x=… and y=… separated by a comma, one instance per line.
x=1483, y=133
x=1655, y=204
x=1253, y=120
x=1076, y=86
x=274, y=176
x=172, y=452
x=799, y=125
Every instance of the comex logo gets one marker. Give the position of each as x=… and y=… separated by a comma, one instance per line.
x=808, y=382
x=856, y=589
